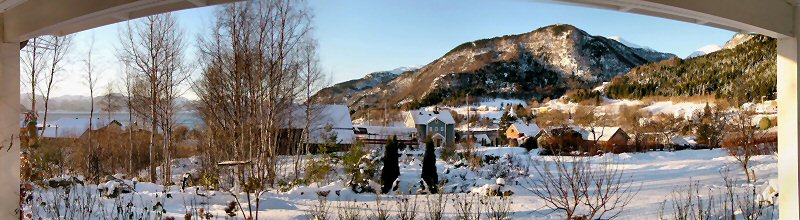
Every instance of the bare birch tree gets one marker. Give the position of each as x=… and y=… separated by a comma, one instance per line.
x=109, y=103
x=91, y=82
x=128, y=79
x=153, y=47
x=252, y=68
x=59, y=47
x=312, y=80
x=593, y=123
x=34, y=64
x=632, y=119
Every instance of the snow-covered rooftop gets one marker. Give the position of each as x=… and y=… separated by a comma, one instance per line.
x=322, y=116
x=685, y=140
x=425, y=117
x=388, y=131
x=481, y=137
x=529, y=130
x=599, y=134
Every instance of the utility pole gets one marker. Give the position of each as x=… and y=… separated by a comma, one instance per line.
x=384, y=113
x=469, y=109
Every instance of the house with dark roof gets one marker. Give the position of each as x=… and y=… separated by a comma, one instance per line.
x=613, y=136
x=78, y=127
x=327, y=125
x=439, y=125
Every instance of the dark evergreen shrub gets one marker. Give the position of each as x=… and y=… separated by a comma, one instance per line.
x=391, y=167
x=429, y=174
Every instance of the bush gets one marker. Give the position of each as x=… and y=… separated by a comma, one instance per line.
x=361, y=167
x=352, y=158
x=764, y=123
x=448, y=152
x=48, y=160
x=530, y=144
x=317, y=170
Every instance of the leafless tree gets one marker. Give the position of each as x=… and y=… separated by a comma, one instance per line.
x=633, y=120
x=593, y=123
x=128, y=79
x=153, y=47
x=668, y=125
x=252, y=70
x=551, y=118
x=313, y=80
x=34, y=63
x=176, y=73
x=582, y=188
x=745, y=140
x=58, y=47
x=91, y=76
x=109, y=103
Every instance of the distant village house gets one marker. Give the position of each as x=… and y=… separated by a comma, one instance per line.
x=329, y=124
x=521, y=132
x=439, y=125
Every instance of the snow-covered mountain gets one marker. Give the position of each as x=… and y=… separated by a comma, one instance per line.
x=642, y=50
x=627, y=43
x=737, y=39
x=341, y=92
x=80, y=103
x=707, y=49
x=542, y=63
x=399, y=70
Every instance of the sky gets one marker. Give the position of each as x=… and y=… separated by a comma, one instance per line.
x=357, y=37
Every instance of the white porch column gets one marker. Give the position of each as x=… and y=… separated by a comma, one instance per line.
x=9, y=130
x=788, y=127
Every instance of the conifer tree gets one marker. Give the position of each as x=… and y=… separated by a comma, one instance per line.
x=429, y=166
x=391, y=167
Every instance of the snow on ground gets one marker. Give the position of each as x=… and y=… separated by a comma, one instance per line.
x=612, y=106
x=488, y=108
x=685, y=109
x=658, y=174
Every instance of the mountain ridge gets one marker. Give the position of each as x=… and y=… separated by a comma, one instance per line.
x=744, y=70
x=543, y=63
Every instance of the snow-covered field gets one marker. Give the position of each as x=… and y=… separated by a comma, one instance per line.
x=657, y=173
x=685, y=109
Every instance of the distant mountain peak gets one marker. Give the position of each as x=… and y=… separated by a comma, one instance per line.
x=737, y=39
x=628, y=43
x=400, y=70
x=707, y=49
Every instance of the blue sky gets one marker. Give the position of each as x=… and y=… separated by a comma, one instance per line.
x=357, y=37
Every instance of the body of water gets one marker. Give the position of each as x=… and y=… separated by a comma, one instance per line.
x=188, y=119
